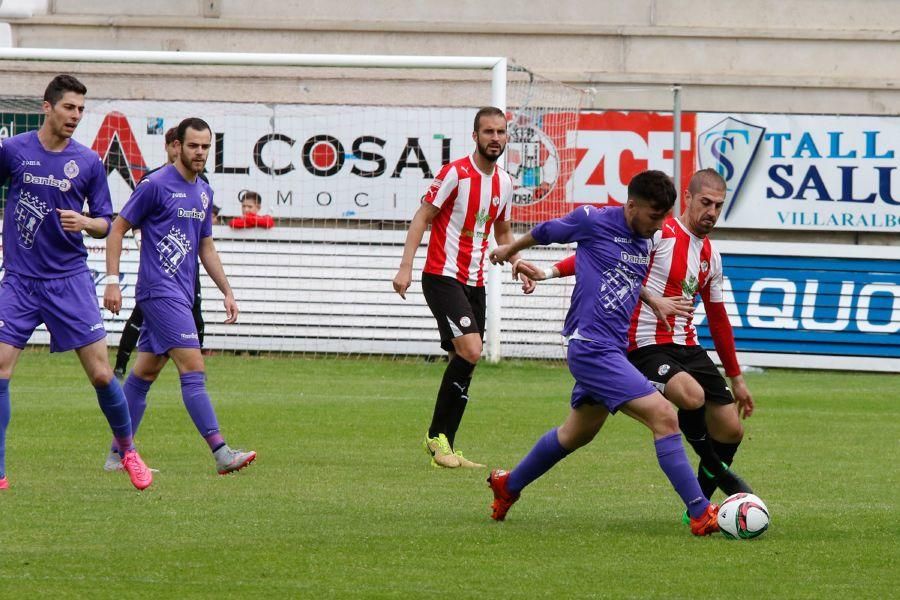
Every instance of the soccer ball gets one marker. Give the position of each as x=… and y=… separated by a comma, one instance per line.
x=743, y=517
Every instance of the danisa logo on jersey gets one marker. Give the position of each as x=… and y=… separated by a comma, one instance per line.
x=63, y=185
x=729, y=147
x=192, y=213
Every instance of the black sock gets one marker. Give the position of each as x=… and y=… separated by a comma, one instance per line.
x=725, y=451
x=693, y=425
x=451, y=399
x=126, y=345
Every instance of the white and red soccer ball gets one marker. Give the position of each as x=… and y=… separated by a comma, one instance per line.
x=743, y=517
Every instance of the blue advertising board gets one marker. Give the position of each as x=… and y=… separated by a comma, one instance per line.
x=781, y=299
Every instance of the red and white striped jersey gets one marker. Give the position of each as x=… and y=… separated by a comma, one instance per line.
x=684, y=264
x=469, y=202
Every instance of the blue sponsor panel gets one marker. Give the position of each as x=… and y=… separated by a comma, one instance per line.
x=809, y=305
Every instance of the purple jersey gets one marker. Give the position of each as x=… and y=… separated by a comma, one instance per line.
x=41, y=181
x=610, y=265
x=173, y=216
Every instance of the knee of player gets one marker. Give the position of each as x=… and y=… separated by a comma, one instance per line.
x=101, y=377
x=685, y=392
x=733, y=433
x=664, y=420
x=471, y=354
x=692, y=400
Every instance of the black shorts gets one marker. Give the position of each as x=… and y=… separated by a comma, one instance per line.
x=659, y=363
x=457, y=308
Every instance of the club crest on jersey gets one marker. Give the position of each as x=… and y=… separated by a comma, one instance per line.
x=30, y=213
x=204, y=199
x=663, y=369
x=704, y=266
x=71, y=169
x=465, y=321
x=689, y=286
x=172, y=250
x=495, y=200
x=618, y=284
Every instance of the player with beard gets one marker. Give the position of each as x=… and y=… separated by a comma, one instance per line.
x=172, y=208
x=132, y=329
x=469, y=197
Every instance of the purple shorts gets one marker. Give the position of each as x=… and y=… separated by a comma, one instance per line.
x=67, y=305
x=604, y=376
x=168, y=323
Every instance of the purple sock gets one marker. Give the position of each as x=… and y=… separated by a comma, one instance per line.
x=198, y=405
x=5, y=413
x=674, y=463
x=546, y=453
x=114, y=405
x=136, y=390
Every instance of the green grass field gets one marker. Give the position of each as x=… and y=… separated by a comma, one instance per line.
x=342, y=502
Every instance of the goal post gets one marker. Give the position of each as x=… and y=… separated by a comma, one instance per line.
x=497, y=66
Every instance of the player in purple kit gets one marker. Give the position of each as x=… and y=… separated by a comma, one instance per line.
x=47, y=278
x=611, y=263
x=172, y=208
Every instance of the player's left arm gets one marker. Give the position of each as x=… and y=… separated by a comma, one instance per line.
x=567, y=229
x=723, y=338
x=213, y=265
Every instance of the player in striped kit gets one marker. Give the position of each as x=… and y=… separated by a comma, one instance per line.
x=467, y=199
x=662, y=338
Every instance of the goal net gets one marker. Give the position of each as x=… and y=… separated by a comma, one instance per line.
x=340, y=163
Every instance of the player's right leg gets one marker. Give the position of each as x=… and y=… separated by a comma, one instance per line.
x=657, y=414
x=670, y=368
x=112, y=401
x=9, y=355
x=19, y=316
x=581, y=426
